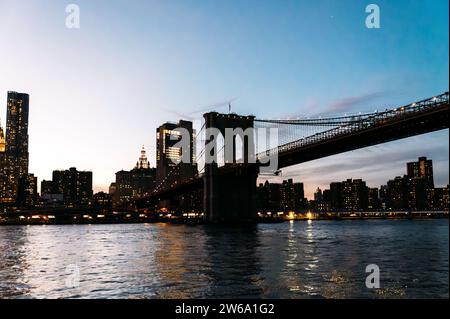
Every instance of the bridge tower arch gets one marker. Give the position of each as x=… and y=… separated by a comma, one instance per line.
x=230, y=192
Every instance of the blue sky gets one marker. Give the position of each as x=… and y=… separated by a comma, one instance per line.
x=99, y=92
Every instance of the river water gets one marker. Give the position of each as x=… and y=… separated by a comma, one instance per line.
x=304, y=259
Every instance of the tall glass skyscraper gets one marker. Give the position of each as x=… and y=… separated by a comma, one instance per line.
x=16, y=157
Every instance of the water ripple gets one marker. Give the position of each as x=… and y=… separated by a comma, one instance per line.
x=319, y=259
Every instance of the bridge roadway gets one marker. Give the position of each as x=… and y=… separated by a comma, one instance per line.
x=396, y=125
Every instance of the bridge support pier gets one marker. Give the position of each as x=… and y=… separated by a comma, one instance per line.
x=230, y=197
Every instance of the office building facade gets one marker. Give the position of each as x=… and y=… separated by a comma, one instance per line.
x=135, y=183
x=74, y=185
x=169, y=167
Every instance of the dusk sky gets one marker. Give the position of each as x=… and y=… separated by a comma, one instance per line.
x=98, y=93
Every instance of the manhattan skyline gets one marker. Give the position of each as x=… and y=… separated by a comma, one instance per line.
x=94, y=108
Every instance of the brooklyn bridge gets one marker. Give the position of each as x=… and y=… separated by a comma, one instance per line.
x=229, y=186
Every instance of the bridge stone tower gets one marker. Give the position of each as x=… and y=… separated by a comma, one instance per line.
x=230, y=192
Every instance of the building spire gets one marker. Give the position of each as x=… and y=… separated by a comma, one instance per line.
x=143, y=162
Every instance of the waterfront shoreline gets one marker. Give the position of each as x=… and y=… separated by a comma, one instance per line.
x=199, y=221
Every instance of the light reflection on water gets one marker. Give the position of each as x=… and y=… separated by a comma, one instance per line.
x=318, y=259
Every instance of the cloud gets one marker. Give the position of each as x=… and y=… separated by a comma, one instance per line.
x=349, y=103
x=341, y=105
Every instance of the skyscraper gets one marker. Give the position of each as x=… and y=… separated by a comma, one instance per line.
x=373, y=198
x=285, y=196
x=15, y=162
x=437, y=198
x=292, y=195
x=28, y=195
x=416, y=193
x=351, y=194
x=415, y=190
x=169, y=167
x=318, y=195
x=124, y=189
x=76, y=186
x=423, y=168
x=335, y=195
